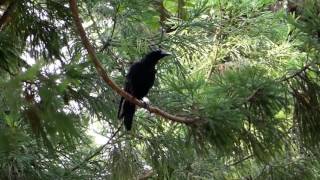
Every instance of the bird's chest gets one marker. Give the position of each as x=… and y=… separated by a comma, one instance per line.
x=143, y=81
x=144, y=78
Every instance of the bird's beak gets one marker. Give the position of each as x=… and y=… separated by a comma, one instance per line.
x=165, y=53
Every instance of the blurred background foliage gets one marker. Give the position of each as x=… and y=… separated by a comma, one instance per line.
x=248, y=69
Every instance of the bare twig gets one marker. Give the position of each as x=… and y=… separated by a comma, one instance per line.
x=107, y=80
x=240, y=161
x=97, y=152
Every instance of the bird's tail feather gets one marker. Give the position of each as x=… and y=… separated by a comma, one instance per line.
x=126, y=111
x=120, y=110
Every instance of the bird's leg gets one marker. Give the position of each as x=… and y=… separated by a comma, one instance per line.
x=146, y=103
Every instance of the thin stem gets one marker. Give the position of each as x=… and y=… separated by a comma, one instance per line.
x=97, y=152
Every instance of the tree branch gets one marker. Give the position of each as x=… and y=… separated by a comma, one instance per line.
x=240, y=161
x=298, y=72
x=114, y=19
x=108, y=81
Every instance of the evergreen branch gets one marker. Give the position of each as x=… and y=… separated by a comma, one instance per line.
x=240, y=161
x=254, y=94
x=216, y=52
x=303, y=69
x=94, y=23
x=101, y=71
x=97, y=152
x=113, y=29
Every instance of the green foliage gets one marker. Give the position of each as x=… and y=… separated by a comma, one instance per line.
x=240, y=107
x=250, y=75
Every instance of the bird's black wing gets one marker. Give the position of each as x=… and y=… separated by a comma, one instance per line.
x=120, y=109
x=127, y=109
x=128, y=89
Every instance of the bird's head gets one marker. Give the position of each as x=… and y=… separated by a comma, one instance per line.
x=154, y=56
x=161, y=53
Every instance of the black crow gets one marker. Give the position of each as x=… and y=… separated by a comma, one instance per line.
x=139, y=80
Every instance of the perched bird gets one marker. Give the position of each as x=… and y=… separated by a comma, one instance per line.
x=139, y=80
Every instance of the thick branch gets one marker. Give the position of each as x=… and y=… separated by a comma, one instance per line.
x=106, y=79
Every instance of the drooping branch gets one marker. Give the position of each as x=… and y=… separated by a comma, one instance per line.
x=101, y=71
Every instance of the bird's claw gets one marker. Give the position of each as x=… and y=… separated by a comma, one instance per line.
x=145, y=105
